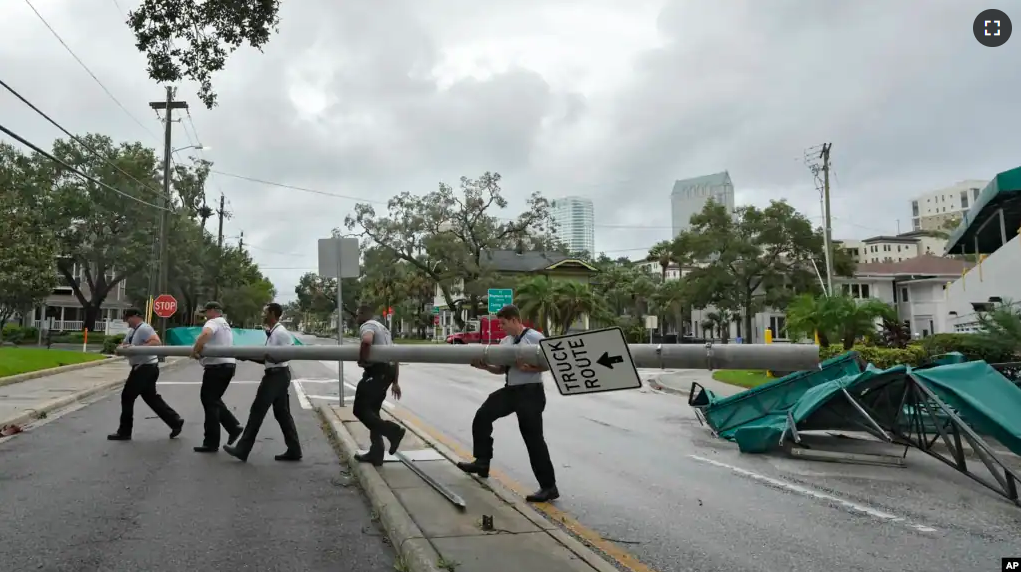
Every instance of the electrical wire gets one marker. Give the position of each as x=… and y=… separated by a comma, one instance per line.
x=77, y=140
x=74, y=170
x=377, y=202
x=89, y=71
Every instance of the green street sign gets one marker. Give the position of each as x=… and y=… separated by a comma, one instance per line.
x=436, y=310
x=500, y=297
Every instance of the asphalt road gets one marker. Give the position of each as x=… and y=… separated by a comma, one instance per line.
x=636, y=467
x=74, y=502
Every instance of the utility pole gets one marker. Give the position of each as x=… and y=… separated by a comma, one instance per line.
x=241, y=243
x=168, y=106
x=828, y=230
x=219, y=248
x=823, y=186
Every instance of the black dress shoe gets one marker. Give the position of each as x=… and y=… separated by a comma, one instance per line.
x=206, y=449
x=231, y=437
x=376, y=460
x=396, y=441
x=176, y=429
x=288, y=456
x=476, y=467
x=544, y=495
x=118, y=437
x=233, y=452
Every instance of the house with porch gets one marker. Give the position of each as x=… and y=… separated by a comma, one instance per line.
x=67, y=312
x=512, y=265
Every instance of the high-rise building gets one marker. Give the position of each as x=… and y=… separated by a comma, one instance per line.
x=932, y=210
x=689, y=197
x=575, y=223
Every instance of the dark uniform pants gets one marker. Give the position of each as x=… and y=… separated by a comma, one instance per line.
x=528, y=402
x=215, y=379
x=369, y=397
x=141, y=382
x=273, y=393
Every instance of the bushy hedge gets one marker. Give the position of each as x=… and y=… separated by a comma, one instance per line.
x=15, y=334
x=973, y=346
x=882, y=358
x=110, y=343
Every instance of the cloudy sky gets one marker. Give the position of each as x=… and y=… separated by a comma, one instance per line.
x=607, y=99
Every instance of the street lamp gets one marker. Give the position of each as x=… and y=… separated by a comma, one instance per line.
x=196, y=147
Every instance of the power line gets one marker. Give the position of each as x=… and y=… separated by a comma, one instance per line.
x=77, y=140
x=378, y=202
x=89, y=71
x=74, y=170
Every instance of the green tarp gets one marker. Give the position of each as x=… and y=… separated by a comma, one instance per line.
x=242, y=337
x=989, y=402
x=726, y=414
x=755, y=419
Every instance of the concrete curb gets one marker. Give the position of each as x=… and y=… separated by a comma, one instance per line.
x=579, y=548
x=417, y=553
x=658, y=387
x=61, y=402
x=12, y=379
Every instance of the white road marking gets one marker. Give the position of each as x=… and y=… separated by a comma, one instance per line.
x=300, y=391
x=854, y=507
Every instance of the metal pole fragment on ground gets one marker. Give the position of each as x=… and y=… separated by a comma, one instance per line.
x=792, y=357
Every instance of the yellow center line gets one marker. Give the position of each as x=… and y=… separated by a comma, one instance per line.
x=587, y=535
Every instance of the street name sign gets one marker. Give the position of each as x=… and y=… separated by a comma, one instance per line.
x=164, y=305
x=591, y=362
x=500, y=297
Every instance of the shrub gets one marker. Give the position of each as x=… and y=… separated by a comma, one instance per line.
x=883, y=358
x=110, y=343
x=973, y=346
x=11, y=333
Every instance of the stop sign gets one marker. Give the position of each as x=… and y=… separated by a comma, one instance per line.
x=164, y=305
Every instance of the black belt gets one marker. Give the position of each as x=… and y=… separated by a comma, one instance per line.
x=145, y=365
x=219, y=365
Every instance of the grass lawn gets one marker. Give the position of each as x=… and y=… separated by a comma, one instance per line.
x=742, y=377
x=23, y=360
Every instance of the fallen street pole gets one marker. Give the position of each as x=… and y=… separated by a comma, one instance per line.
x=788, y=357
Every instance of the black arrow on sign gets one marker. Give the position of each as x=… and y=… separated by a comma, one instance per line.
x=607, y=361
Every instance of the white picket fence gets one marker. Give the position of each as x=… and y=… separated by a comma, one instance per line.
x=73, y=326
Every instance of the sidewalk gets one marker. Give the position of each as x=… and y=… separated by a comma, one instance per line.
x=432, y=535
x=679, y=382
x=25, y=401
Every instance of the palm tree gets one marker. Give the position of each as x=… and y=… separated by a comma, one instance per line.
x=537, y=299
x=662, y=253
x=836, y=317
x=671, y=296
x=573, y=301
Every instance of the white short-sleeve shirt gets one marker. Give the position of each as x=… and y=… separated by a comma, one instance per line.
x=221, y=336
x=279, y=336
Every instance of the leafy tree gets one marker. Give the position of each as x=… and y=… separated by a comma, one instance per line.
x=753, y=259
x=27, y=255
x=537, y=299
x=555, y=306
x=672, y=298
x=1001, y=326
x=445, y=235
x=383, y=278
x=317, y=297
x=244, y=302
x=191, y=39
x=102, y=236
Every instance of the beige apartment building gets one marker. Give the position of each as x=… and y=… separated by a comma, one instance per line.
x=931, y=210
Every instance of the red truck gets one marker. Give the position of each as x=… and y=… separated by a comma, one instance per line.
x=485, y=330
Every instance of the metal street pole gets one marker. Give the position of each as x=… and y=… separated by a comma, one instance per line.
x=340, y=321
x=168, y=106
x=779, y=357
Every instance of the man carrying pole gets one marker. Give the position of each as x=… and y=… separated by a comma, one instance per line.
x=141, y=382
x=523, y=395
x=273, y=393
x=217, y=372
x=371, y=392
